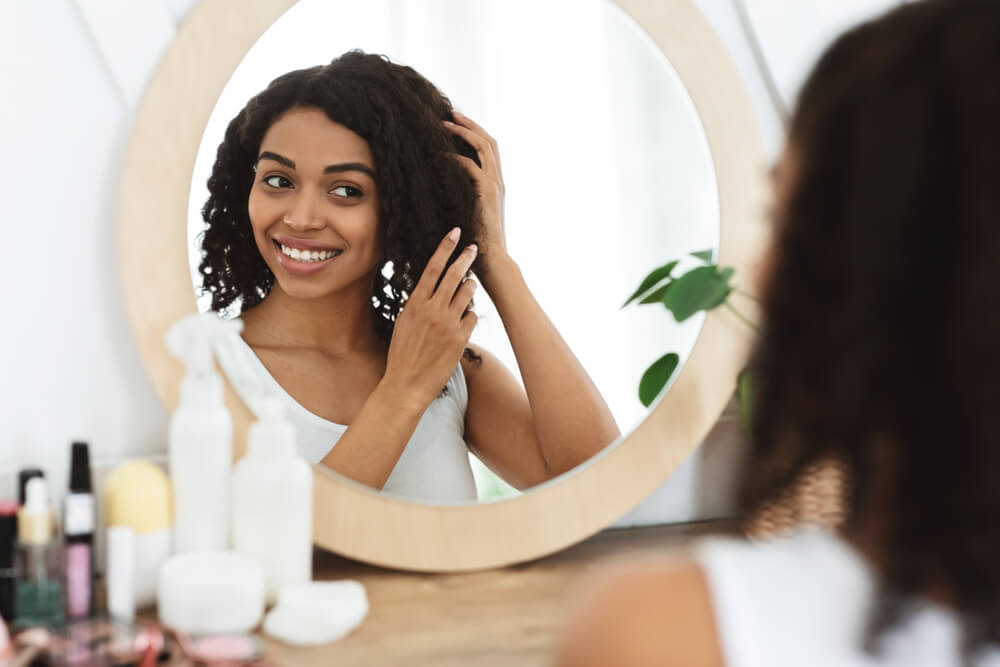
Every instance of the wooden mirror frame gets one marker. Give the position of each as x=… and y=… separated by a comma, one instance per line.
x=351, y=519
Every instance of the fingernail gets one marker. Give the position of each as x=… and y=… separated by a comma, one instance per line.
x=474, y=248
x=455, y=234
x=447, y=122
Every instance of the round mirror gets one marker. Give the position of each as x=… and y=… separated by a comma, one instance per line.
x=629, y=143
x=608, y=174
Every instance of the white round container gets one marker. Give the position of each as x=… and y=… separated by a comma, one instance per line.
x=211, y=592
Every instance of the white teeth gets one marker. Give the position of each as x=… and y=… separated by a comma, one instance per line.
x=308, y=256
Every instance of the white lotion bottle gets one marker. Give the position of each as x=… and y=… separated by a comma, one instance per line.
x=273, y=501
x=200, y=439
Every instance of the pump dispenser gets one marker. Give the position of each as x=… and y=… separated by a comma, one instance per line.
x=200, y=441
x=272, y=496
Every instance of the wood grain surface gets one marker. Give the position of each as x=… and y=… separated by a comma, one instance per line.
x=509, y=616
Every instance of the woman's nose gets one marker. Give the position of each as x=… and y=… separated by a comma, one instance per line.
x=304, y=217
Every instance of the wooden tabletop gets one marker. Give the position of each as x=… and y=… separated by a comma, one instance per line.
x=509, y=616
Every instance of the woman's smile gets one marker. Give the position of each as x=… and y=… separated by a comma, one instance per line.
x=300, y=258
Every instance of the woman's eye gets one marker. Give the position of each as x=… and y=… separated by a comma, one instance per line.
x=346, y=191
x=277, y=181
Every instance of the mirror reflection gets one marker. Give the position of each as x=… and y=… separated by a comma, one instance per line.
x=435, y=295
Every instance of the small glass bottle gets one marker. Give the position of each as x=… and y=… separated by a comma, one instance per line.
x=39, y=592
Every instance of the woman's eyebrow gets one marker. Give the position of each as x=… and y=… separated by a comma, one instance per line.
x=329, y=169
x=281, y=159
x=349, y=166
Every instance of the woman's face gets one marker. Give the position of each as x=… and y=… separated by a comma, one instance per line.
x=313, y=206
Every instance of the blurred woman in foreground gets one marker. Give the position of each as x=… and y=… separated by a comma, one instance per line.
x=880, y=349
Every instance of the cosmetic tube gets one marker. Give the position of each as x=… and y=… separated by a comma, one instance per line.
x=78, y=527
x=120, y=573
x=38, y=593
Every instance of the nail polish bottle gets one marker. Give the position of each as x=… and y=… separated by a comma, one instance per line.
x=38, y=593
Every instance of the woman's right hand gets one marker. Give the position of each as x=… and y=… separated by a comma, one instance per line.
x=433, y=329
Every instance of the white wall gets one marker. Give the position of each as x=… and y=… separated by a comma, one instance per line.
x=71, y=73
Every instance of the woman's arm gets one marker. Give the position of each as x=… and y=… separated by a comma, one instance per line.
x=428, y=339
x=563, y=415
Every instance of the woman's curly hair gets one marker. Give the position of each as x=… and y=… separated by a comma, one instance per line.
x=880, y=328
x=423, y=191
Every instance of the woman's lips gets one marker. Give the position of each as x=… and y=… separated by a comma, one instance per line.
x=298, y=267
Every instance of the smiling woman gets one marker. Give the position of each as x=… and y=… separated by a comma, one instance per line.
x=620, y=147
x=340, y=194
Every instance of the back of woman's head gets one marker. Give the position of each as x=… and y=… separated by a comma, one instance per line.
x=880, y=344
x=423, y=191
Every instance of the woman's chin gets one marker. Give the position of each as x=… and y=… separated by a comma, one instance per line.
x=297, y=290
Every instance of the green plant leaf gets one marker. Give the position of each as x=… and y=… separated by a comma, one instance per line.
x=656, y=377
x=652, y=279
x=704, y=255
x=744, y=396
x=657, y=294
x=699, y=289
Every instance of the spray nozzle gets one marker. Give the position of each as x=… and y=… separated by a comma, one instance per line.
x=191, y=339
x=270, y=409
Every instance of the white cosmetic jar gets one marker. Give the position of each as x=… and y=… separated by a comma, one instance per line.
x=211, y=592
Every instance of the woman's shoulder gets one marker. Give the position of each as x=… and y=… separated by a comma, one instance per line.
x=651, y=611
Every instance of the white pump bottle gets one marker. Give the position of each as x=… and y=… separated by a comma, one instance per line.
x=200, y=441
x=272, y=501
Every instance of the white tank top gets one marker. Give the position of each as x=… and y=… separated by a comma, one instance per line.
x=804, y=600
x=434, y=466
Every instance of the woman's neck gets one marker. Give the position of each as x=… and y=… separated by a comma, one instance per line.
x=337, y=324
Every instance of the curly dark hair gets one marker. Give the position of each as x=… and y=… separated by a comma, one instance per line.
x=880, y=331
x=423, y=191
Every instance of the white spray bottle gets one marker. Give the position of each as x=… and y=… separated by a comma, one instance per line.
x=200, y=441
x=273, y=496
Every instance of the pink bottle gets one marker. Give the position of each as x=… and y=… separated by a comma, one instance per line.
x=78, y=525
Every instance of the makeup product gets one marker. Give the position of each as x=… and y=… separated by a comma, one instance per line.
x=120, y=573
x=8, y=574
x=272, y=501
x=219, y=649
x=200, y=439
x=98, y=642
x=29, y=646
x=22, y=482
x=38, y=596
x=137, y=496
x=211, y=592
x=316, y=613
x=78, y=528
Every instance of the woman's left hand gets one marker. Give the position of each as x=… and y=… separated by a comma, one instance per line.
x=489, y=181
